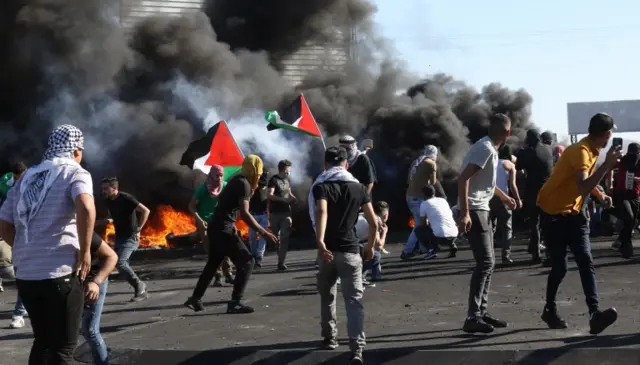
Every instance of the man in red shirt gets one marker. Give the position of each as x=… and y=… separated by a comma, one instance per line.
x=625, y=184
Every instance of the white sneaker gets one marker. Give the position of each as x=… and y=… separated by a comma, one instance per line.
x=384, y=251
x=17, y=322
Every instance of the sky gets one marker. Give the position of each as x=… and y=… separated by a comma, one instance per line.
x=559, y=51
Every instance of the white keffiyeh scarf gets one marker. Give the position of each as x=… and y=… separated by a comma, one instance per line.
x=333, y=174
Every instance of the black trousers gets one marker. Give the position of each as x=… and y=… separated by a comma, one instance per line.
x=572, y=231
x=223, y=245
x=533, y=214
x=628, y=211
x=55, y=309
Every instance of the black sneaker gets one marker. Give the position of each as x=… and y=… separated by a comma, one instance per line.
x=235, y=307
x=194, y=304
x=496, y=323
x=600, y=320
x=282, y=267
x=356, y=359
x=404, y=256
x=553, y=320
x=141, y=293
x=506, y=260
x=452, y=252
x=330, y=343
x=476, y=325
x=258, y=264
x=229, y=280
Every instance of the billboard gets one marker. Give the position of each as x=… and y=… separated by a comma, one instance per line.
x=626, y=113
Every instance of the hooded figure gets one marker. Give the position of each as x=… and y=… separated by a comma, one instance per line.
x=533, y=138
x=358, y=163
x=252, y=167
x=536, y=159
x=631, y=159
x=215, y=180
x=547, y=138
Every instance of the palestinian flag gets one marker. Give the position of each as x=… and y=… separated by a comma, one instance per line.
x=217, y=147
x=296, y=117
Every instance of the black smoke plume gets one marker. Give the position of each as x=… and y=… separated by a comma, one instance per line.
x=142, y=97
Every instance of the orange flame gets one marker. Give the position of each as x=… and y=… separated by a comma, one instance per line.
x=243, y=228
x=411, y=222
x=164, y=220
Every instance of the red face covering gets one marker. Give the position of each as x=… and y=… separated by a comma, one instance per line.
x=214, y=180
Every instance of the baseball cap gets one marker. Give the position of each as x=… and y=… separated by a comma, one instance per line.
x=335, y=154
x=601, y=123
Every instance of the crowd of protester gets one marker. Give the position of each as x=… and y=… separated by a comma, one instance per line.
x=562, y=192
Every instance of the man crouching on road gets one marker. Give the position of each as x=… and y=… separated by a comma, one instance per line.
x=334, y=202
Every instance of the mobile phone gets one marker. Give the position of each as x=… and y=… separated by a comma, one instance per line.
x=617, y=142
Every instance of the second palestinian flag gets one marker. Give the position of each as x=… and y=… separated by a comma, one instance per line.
x=296, y=117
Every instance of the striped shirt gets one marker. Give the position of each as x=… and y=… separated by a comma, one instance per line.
x=53, y=234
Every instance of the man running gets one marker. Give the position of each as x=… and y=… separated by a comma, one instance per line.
x=564, y=224
x=203, y=203
x=124, y=210
x=476, y=187
x=224, y=238
x=335, y=200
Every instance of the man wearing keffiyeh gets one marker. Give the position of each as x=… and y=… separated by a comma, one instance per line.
x=358, y=163
x=48, y=219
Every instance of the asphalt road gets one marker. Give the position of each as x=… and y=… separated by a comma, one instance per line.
x=421, y=305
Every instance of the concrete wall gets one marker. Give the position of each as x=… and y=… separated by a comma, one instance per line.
x=312, y=57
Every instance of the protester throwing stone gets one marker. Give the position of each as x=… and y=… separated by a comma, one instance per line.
x=224, y=239
x=476, y=187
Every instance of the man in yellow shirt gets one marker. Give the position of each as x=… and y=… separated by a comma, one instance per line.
x=565, y=224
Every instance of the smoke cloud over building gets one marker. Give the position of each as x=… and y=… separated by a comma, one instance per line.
x=141, y=97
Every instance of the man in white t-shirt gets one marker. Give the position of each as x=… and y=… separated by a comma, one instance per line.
x=437, y=225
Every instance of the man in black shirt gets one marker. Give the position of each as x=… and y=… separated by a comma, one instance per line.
x=537, y=161
x=335, y=201
x=124, y=210
x=258, y=208
x=224, y=240
x=358, y=163
x=280, y=198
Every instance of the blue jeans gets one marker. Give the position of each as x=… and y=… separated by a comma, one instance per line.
x=373, y=264
x=414, y=208
x=9, y=272
x=91, y=327
x=572, y=231
x=258, y=245
x=19, y=310
x=125, y=247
